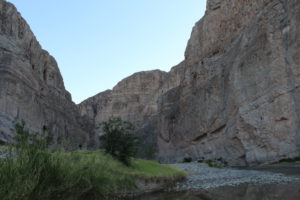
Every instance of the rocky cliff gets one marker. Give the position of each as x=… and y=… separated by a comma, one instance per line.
x=133, y=99
x=235, y=96
x=32, y=88
x=239, y=98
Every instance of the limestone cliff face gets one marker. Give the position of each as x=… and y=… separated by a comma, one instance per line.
x=235, y=96
x=31, y=86
x=132, y=99
x=239, y=98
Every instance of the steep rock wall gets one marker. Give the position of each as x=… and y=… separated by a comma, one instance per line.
x=239, y=98
x=132, y=99
x=236, y=94
x=32, y=88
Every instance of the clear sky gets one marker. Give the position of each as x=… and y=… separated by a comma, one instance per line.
x=97, y=43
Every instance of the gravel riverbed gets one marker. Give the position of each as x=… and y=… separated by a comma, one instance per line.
x=200, y=176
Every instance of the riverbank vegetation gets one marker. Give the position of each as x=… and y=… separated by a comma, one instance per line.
x=118, y=139
x=288, y=160
x=31, y=172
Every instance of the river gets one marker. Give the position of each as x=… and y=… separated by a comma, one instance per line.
x=272, y=182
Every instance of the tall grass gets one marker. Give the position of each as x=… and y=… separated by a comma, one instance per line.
x=76, y=175
x=31, y=172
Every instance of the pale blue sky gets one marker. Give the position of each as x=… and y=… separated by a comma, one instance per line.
x=97, y=43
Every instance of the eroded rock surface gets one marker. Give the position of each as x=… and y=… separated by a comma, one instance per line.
x=32, y=88
x=133, y=99
x=239, y=99
x=236, y=94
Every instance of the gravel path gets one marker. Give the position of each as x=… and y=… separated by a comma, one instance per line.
x=200, y=176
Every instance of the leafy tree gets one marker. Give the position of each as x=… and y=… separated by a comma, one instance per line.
x=119, y=140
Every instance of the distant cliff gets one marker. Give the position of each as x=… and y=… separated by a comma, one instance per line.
x=32, y=89
x=235, y=96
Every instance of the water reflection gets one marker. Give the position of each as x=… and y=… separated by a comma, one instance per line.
x=281, y=191
x=241, y=192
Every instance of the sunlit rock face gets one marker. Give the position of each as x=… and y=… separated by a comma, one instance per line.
x=32, y=88
x=235, y=96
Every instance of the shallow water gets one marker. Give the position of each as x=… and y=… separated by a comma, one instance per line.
x=287, y=169
x=245, y=191
x=241, y=192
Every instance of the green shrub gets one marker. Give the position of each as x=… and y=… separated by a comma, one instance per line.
x=288, y=160
x=31, y=172
x=119, y=140
x=213, y=164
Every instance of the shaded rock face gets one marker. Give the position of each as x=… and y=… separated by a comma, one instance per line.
x=235, y=96
x=239, y=98
x=132, y=99
x=32, y=88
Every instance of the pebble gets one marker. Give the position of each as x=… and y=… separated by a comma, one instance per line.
x=201, y=176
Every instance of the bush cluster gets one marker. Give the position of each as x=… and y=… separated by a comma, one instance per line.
x=118, y=139
x=32, y=172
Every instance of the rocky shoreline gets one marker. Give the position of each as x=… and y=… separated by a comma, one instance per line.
x=200, y=176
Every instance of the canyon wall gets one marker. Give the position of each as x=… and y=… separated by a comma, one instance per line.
x=32, y=88
x=133, y=99
x=239, y=98
x=235, y=96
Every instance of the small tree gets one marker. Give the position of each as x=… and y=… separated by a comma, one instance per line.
x=119, y=140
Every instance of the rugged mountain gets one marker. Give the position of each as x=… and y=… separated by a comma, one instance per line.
x=235, y=96
x=32, y=88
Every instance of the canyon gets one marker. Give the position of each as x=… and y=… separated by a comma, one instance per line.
x=235, y=97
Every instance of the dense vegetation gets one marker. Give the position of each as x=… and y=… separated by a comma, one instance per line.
x=118, y=139
x=31, y=172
